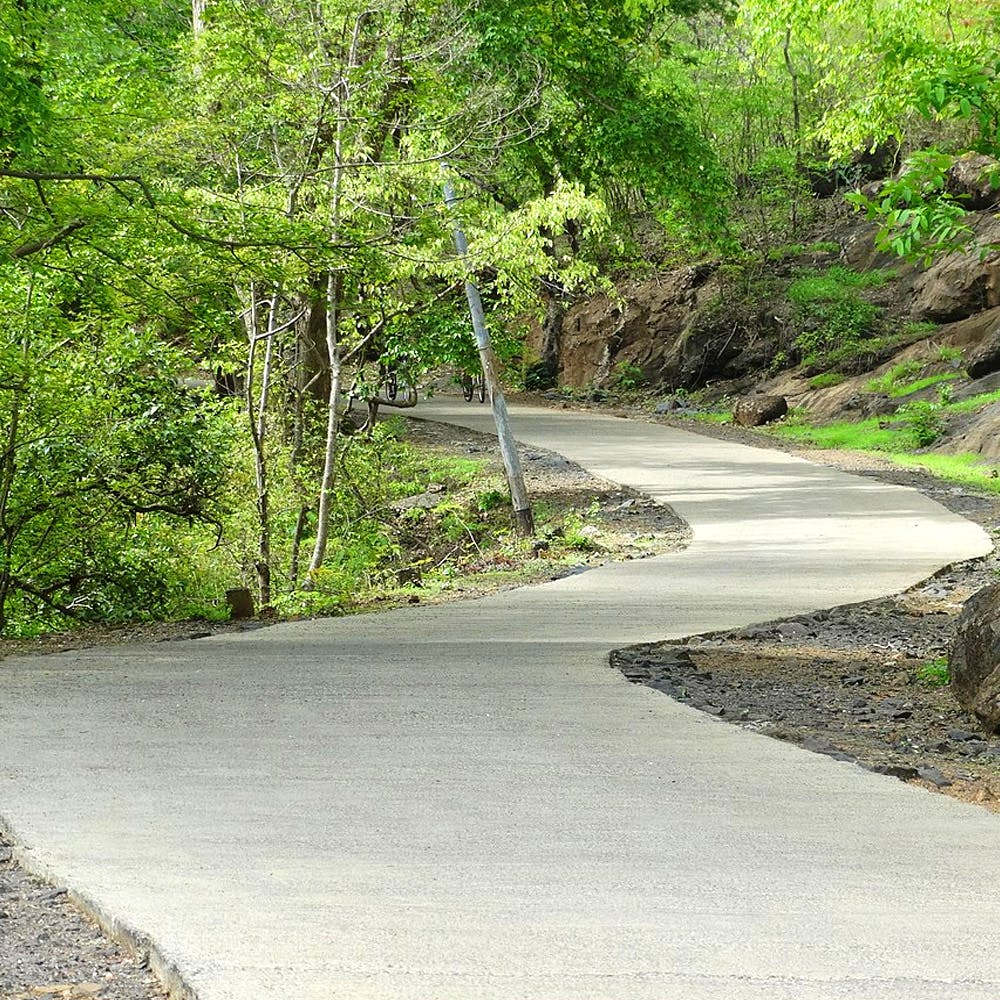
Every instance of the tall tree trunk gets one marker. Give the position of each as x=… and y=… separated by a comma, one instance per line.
x=552, y=330
x=330, y=453
x=257, y=416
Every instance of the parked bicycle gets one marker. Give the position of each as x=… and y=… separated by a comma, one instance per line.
x=474, y=385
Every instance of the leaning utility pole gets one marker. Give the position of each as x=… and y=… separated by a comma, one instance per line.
x=508, y=449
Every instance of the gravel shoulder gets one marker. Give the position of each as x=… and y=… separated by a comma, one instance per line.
x=855, y=682
x=846, y=682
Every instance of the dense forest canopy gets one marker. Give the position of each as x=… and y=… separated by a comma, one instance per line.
x=217, y=220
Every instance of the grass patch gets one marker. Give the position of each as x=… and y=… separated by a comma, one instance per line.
x=894, y=376
x=967, y=469
x=936, y=673
x=974, y=403
x=835, y=283
x=712, y=417
x=863, y=435
x=826, y=380
x=922, y=383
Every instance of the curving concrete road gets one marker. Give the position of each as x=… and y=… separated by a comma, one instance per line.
x=466, y=803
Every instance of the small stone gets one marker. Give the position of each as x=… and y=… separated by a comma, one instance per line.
x=961, y=735
x=902, y=771
x=933, y=775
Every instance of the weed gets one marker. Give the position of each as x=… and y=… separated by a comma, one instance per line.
x=950, y=356
x=892, y=378
x=490, y=500
x=834, y=283
x=936, y=673
x=627, y=376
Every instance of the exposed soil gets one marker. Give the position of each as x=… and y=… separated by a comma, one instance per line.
x=845, y=682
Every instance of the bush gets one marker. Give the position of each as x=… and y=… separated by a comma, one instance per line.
x=830, y=312
x=924, y=420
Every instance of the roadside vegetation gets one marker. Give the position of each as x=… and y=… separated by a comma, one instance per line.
x=221, y=221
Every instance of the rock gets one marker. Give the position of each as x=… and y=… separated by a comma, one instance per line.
x=902, y=771
x=816, y=744
x=934, y=776
x=986, y=359
x=240, y=602
x=760, y=408
x=423, y=501
x=960, y=284
x=974, y=661
x=973, y=179
x=791, y=631
x=989, y=383
x=961, y=735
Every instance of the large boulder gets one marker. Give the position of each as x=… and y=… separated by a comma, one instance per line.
x=646, y=326
x=974, y=179
x=760, y=408
x=986, y=358
x=975, y=657
x=962, y=283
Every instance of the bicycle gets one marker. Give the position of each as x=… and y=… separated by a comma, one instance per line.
x=473, y=385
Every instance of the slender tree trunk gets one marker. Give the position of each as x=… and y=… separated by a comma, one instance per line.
x=796, y=123
x=257, y=415
x=334, y=289
x=523, y=516
x=330, y=453
x=198, y=16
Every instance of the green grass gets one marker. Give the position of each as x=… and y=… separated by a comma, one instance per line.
x=894, y=376
x=710, y=416
x=968, y=469
x=834, y=284
x=974, y=403
x=896, y=442
x=826, y=380
x=863, y=435
x=922, y=383
x=936, y=673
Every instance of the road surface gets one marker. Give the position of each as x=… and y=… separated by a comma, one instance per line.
x=466, y=803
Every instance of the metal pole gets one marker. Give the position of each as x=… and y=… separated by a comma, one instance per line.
x=508, y=448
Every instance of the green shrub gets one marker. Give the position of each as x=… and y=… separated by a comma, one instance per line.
x=830, y=312
x=627, y=376
x=924, y=420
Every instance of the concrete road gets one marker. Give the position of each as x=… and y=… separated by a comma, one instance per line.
x=467, y=803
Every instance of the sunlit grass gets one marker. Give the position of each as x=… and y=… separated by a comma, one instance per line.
x=967, y=468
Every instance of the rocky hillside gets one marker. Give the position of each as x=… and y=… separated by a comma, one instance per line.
x=828, y=325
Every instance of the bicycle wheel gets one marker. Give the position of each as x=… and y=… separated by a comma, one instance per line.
x=481, y=389
x=467, y=388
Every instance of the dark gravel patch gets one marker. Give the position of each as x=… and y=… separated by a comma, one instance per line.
x=852, y=682
x=50, y=949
